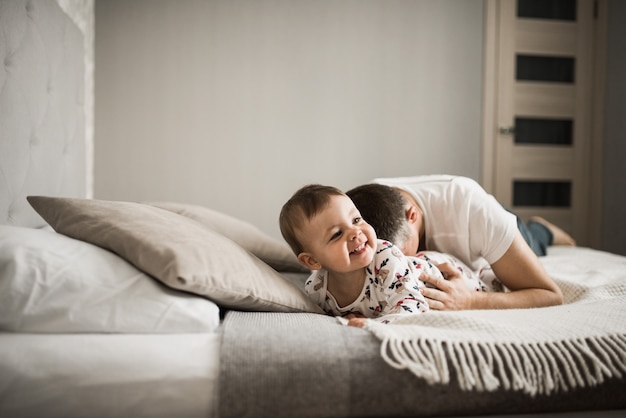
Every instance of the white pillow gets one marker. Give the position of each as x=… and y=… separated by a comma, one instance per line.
x=52, y=283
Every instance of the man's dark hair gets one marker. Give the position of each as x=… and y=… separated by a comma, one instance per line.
x=384, y=208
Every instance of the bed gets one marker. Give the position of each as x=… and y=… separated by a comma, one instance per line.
x=148, y=309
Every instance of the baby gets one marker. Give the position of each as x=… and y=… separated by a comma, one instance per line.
x=356, y=275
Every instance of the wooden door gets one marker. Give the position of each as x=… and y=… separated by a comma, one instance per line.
x=543, y=137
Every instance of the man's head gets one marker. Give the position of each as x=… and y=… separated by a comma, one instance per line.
x=385, y=208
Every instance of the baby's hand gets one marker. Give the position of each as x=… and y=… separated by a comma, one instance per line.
x=357, y=322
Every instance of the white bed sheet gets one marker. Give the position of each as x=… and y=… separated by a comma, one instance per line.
x=108, y=375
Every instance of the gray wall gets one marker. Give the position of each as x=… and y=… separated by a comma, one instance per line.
x=614, y=228
x=236, y=104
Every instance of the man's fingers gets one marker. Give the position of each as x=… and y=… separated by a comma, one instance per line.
x=432, y=294
x=449, y=271
x=428, y=279
x=434, y=304
x=436, y=281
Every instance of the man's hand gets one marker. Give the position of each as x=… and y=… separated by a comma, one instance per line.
x=449, y=293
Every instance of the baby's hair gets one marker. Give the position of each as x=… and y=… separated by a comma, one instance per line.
x=307, y=202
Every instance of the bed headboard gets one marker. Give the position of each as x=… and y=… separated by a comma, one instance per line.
x=46, y=103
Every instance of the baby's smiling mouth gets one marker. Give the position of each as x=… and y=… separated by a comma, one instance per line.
x=359, y=249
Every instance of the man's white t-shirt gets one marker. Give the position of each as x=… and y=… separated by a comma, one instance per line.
x=460, y=217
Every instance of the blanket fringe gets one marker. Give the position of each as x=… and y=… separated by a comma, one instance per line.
x=534, y=368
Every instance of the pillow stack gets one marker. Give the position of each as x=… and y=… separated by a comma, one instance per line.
x=185, y=247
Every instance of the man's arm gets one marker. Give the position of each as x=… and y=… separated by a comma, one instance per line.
x=519, y=269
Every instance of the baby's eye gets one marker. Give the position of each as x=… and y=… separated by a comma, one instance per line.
x=357, y=220
x=335, y=235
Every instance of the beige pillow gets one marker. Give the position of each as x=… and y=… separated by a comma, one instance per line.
x=249, y=237
x=176, y=250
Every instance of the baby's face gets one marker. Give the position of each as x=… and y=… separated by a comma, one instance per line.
x=338, y=238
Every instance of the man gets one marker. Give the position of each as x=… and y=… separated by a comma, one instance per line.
x=455, y=215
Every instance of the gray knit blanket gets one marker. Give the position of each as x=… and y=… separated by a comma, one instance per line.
x=538, y=351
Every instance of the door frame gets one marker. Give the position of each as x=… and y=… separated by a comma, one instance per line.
x=490, y=107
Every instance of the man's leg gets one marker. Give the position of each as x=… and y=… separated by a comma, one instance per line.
x=537, y=235
x=559, y=236
x=540, y=234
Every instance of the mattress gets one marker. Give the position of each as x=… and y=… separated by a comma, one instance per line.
x=108, y=375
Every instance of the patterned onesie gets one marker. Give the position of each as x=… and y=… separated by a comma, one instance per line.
x=391, y=287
